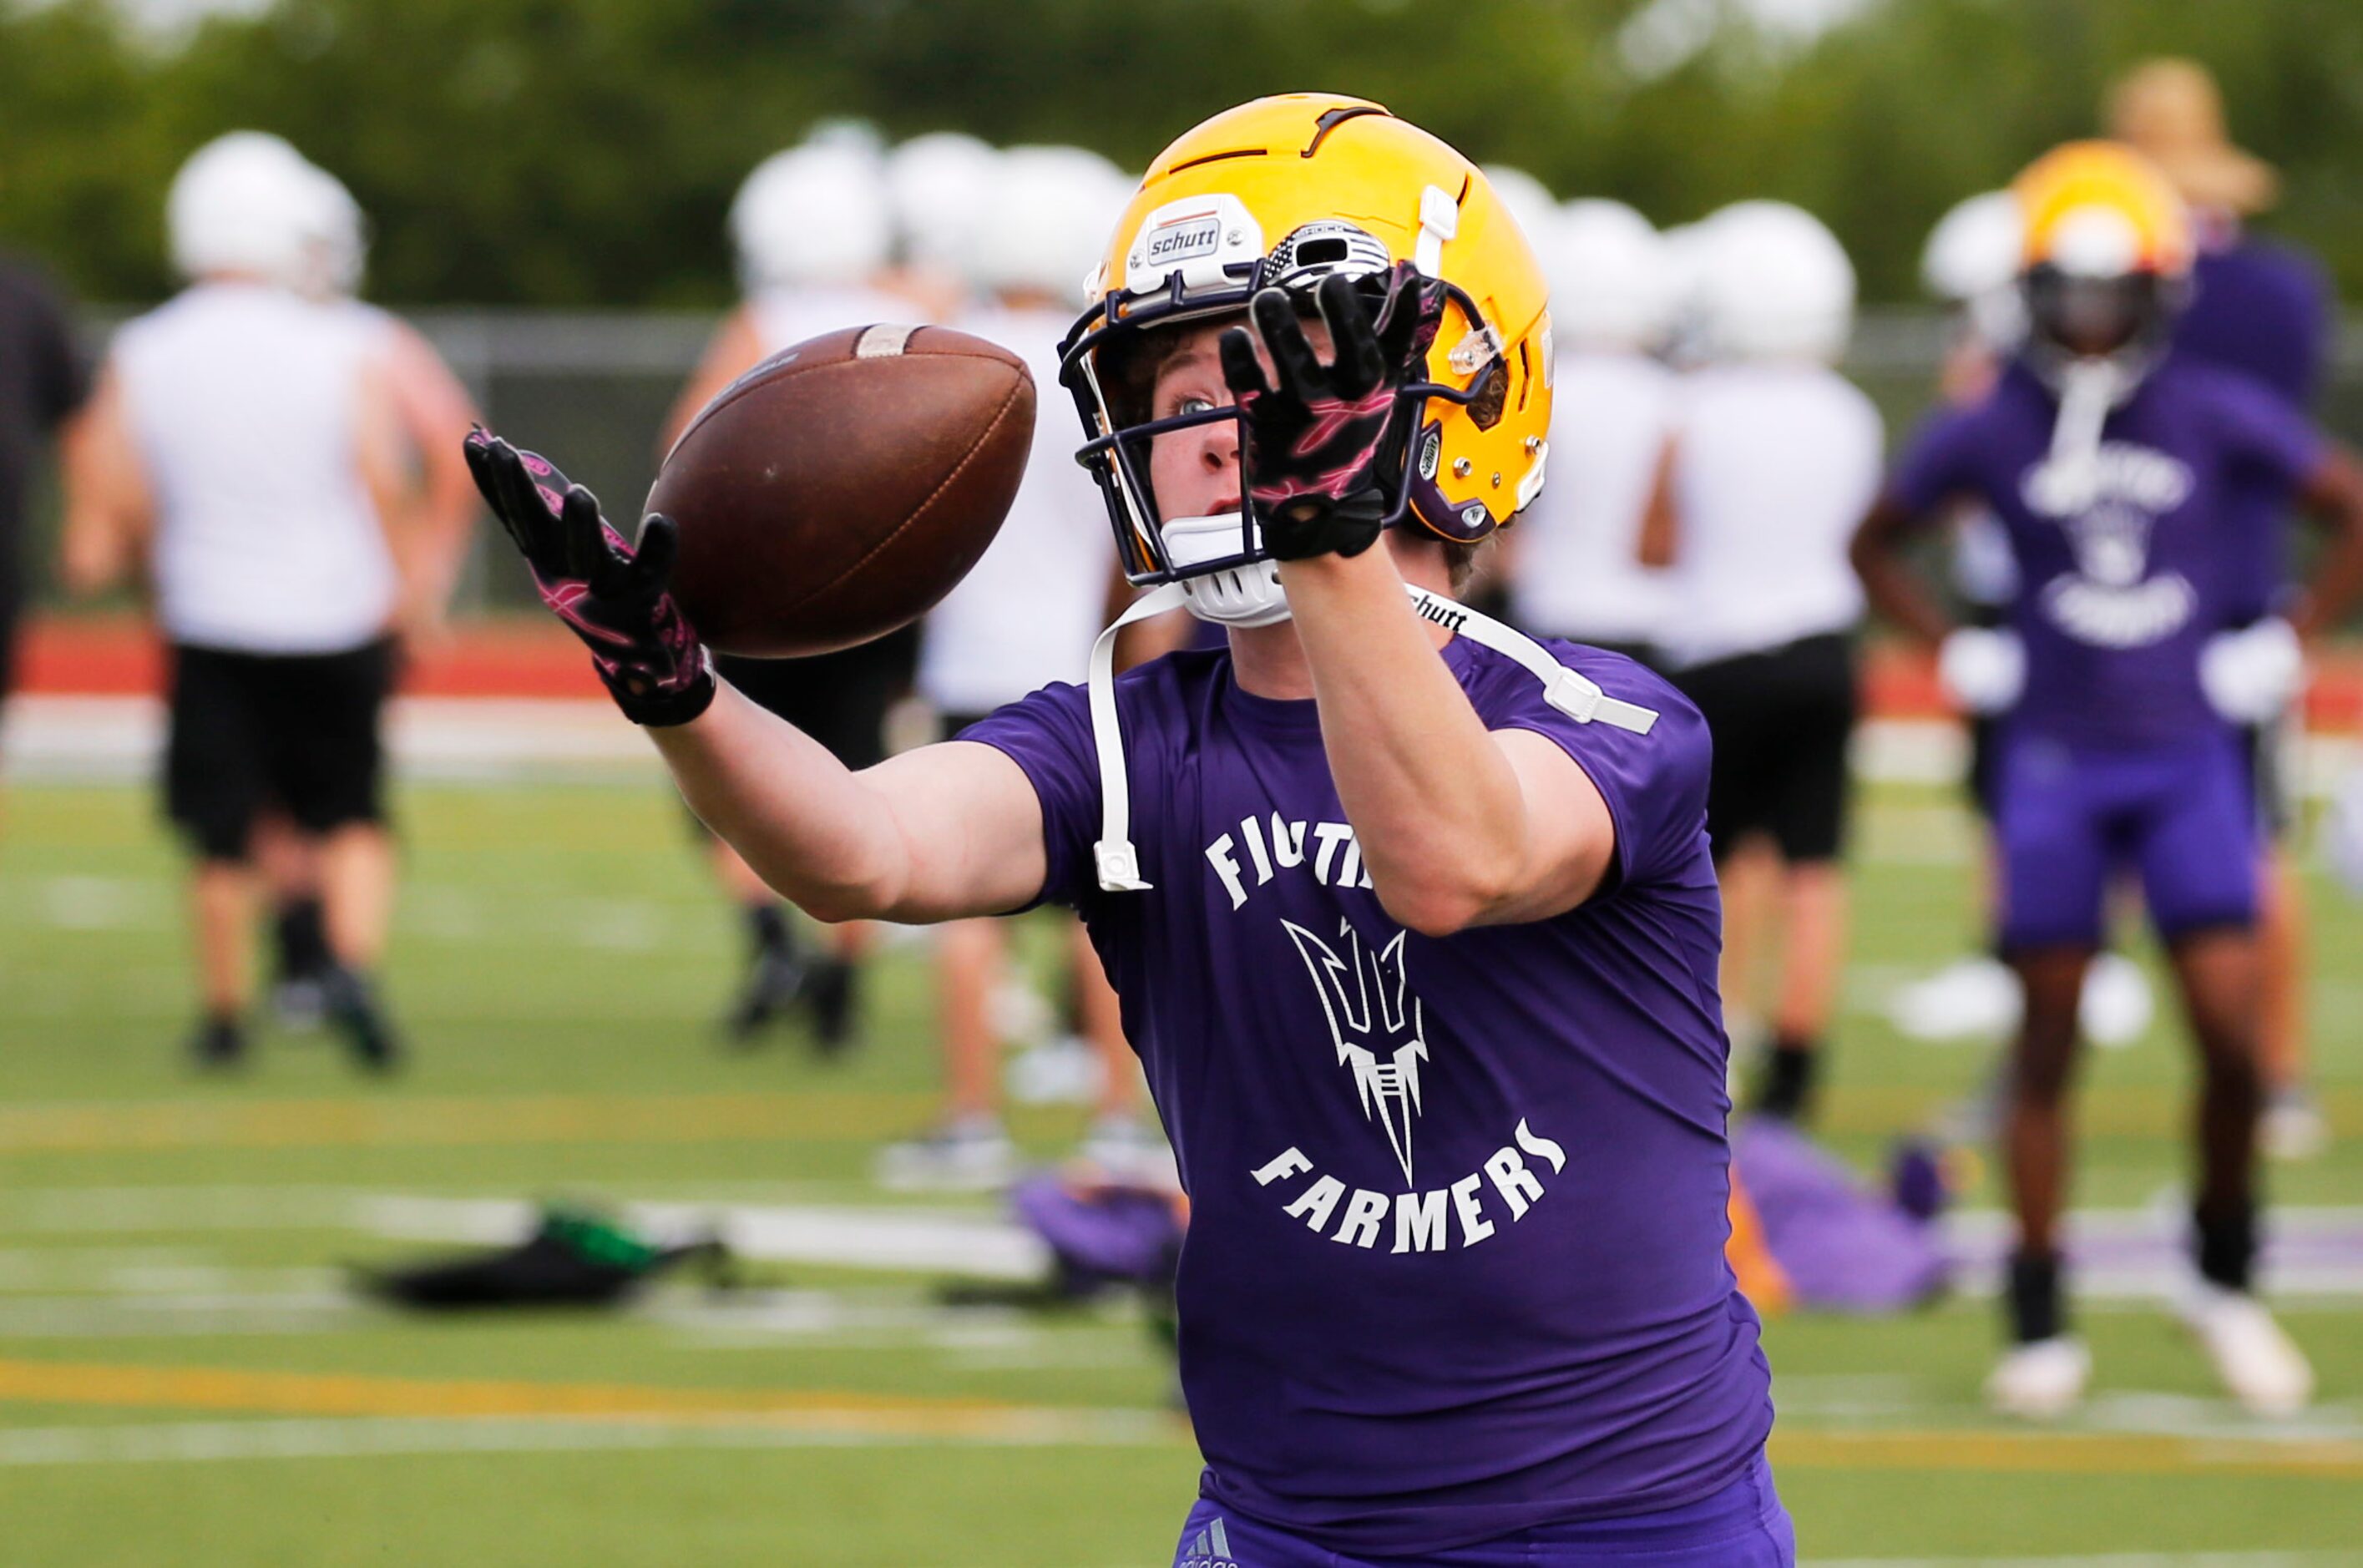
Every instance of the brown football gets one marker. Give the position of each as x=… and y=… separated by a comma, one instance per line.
x=836, y=491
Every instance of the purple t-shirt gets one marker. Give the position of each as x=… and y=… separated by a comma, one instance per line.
x=2118, y=595
x=1458, y=1206
x=2263, y=310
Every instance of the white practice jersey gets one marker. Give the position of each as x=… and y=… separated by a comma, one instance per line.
x=1577, y=574
x=243, y=401
x=1774, y=466
x=1028, y=613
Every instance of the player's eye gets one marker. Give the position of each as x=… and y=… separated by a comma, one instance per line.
x=1191, y=405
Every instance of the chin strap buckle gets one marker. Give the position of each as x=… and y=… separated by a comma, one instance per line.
x=1119, y=867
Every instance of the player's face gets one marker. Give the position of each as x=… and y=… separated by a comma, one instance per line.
x=1195, y=473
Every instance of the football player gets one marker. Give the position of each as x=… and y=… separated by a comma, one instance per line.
x=44, y=380
x=248, y=445
x=2111, y=466
x=813, y=235
x=1574, y=565
x=1413, y=920
x=1774, y=456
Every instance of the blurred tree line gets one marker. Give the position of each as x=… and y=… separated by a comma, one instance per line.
x=576, y=152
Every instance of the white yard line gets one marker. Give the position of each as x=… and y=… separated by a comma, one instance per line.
x=186, y=1442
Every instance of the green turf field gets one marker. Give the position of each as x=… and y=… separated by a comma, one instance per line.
x=182, y=1381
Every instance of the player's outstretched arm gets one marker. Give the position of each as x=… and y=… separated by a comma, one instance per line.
x=1895, y=590
x=938, y=833
x=1458, y=825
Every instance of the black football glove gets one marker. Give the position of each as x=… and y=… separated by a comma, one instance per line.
x=1314, y=440
x=610, y=595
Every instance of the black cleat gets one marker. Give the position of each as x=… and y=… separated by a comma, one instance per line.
x=354, y=1013
x=774, y=983
x=218, y=1045
x=833, y=989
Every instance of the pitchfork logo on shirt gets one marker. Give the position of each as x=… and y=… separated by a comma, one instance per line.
x=1374, y=1022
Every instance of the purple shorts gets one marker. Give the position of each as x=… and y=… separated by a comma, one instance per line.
x=1741, y=1526
x=2183, y=816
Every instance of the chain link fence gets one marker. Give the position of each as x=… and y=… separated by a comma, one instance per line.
x=592, y=389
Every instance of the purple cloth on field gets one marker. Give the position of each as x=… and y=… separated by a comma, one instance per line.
x=1843, y=1247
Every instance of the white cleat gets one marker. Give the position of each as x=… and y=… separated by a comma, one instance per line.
x=2117, y=1005
x=2260, y=1366
x=2041, y=1381
x=964, y=1156
x=2293, y=1128
x=1976, y=998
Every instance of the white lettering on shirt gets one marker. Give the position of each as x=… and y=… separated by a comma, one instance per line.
x=1314, y=1204
x=1425, y=1221
x=1226, y=866
x=1337, y=858
x=1359, y=1227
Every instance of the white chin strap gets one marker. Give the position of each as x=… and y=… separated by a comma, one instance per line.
x=1238, y=595
x=2089, y=389
x=1115, y=856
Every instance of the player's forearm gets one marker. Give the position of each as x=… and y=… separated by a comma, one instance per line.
x=2336, y=496
x=1436, y=807
x=1895, y=590
x=806, y=824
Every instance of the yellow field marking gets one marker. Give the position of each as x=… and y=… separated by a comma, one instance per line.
x=2088, y=1454
x=269, y=1393
x=2133, y=1110
x=370, y=1394
x=836, y=1117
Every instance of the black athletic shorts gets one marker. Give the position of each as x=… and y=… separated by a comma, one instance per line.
x=7, y=650
x=295, y=732
x=840, y=699
x=1780, y=720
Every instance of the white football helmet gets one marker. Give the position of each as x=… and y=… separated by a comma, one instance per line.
x=1612, y=278
x=1528, y=199
x=247, y=204
x=813, y=216
x=1046, y=220
x=1972, y=261
x=938, y=187
x=1774, y=284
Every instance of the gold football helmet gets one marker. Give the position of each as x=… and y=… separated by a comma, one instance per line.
x=1284, y=192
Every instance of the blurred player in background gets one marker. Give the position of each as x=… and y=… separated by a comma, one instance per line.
x=1573, y=564
x=2261, y=310
x=2112, y=465
x=247, y=447
x=43, y=382
x=1971, y=262
x=1412, y=918
x=816, y=236
x=1775, y=456
x=1025, y=616
x=435, y=413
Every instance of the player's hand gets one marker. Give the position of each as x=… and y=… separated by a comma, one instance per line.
x=1314, y=432
x=2252, y=675
x=611, y=594
x=1982, y=669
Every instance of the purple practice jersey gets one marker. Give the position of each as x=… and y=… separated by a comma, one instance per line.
x=2261, y=310
x=2119, y=593
x=1455, y=1261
